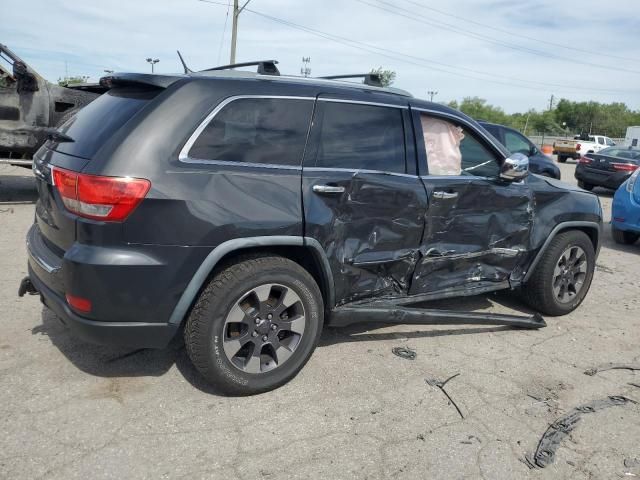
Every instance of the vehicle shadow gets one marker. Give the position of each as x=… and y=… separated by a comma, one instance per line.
x=110, y=362
x=17, y=187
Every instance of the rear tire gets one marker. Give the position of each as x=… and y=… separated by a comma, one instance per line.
x=570, y=257
x=624, y=238
x=255, y=325
x=585, y=186
x=562, y=159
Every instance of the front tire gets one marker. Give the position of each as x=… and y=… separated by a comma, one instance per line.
x=563, y=276
x=624, y=238
x=255, y=325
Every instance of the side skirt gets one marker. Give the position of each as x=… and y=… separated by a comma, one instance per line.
x=396, y=314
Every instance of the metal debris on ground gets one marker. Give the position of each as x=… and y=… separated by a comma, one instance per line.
x=560, y=429
x=612, y=366
x=440, y=384
x=404, y=352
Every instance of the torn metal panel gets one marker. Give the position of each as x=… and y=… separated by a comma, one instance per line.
x=371, y=232
x=477, y=231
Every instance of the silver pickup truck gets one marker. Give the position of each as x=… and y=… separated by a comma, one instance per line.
x=31, y=107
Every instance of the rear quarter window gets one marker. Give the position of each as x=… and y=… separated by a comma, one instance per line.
x=92, y=126
x=256, y=130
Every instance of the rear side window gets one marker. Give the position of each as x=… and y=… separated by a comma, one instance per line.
x=256, y=130
x=362, y=137
x=92, y=127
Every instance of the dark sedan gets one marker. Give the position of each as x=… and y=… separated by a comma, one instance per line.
x=517, y=143
x=608, y=168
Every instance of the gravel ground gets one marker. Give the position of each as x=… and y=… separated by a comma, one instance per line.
x=73, y=410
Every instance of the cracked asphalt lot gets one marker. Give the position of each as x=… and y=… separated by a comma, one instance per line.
x=73, y=410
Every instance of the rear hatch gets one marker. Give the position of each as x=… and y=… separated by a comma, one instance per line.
x=90, y=129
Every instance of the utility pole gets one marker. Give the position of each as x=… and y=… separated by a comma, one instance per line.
x=551, y=102
x=432, y=93
x=305, y=71
x=237, y=10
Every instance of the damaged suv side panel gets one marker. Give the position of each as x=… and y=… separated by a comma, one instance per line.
x=362, y=200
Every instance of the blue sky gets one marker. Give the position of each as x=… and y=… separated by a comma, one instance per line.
x=514, y=54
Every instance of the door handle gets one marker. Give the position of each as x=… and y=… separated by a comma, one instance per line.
x=328, y=189
x=445, y=195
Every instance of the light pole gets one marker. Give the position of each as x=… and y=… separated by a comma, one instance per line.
x=432, y=93
x=152, y=61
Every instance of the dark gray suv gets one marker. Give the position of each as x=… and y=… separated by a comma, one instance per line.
x=254, y=209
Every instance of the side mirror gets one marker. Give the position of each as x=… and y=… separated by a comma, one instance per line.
x=515, y=168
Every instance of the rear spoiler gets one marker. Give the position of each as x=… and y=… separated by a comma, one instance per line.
x=144, y=79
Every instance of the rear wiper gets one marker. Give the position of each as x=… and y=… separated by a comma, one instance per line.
x=57, y=135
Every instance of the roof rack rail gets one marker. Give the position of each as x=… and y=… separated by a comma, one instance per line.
x=371, y=79
x=265, y=67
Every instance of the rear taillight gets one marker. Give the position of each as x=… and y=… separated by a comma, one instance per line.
x=584, y=160
x=624, y=167
x=111, y=199
x=578, y=147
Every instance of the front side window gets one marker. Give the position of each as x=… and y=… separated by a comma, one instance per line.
x=453, y=150
x=516, y=143
x=256, y=130
x=610, y=142
x=363, y=137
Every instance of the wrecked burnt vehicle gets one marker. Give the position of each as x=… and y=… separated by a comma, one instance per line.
x=253, y=209
x=30, y=107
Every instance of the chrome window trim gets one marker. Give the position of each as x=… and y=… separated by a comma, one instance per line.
x=362, y=102
x=184, y=157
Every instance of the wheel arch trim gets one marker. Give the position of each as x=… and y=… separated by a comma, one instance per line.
x=212, y=259
x=564, y=226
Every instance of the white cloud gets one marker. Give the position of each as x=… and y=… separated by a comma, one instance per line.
x=116, y=34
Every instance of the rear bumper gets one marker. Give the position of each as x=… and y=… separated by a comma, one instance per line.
x=601, y=178
x=127, y=334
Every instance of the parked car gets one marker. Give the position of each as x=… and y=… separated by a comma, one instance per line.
x=625, y=211
x=254, y=209
x=516, y=142
x=580, y=146
x=609, y=168
x=30, y=107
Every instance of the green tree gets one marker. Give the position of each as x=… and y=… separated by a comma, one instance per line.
x=387, y=77
x=73, y=80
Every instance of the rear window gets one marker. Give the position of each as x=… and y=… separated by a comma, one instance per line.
x=92, y=127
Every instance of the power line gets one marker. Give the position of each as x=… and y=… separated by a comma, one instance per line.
x=224, y=30
x=520, y=35
x=395, y=55
x=417, y=17
x=422, y=62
